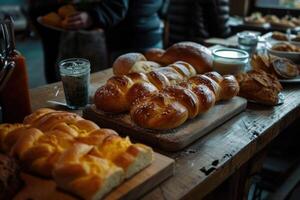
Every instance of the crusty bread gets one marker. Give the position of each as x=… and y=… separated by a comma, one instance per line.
x=195, y=54
x=124, y=63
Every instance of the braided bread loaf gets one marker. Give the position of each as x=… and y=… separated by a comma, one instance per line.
x=119, y=92
x=165, y=104
x=82, y=158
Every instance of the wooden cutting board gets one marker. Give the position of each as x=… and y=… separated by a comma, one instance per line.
x=45, y=189
x=173, y=139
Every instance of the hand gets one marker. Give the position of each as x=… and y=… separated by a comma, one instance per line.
x=80, y=20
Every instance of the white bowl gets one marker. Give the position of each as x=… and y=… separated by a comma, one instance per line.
x=293, y=56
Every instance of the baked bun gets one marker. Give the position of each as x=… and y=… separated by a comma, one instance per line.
x=154, y=54
x=124, y=63
x=195, y=54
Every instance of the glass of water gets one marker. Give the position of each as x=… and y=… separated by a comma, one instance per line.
x=75, y=76
x=247, y=41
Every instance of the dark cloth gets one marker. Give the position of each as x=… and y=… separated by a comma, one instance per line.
x=196, y=20
x=129, y=24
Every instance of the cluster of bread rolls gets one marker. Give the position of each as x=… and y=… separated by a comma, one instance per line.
x=165, y=97
x=81, y=157
x=195, y=54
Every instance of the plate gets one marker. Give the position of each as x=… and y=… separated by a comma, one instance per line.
x=293, y=56
x=293, y=80
x=40, y=21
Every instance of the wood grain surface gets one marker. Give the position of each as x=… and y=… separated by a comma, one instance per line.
x=173, y=139
x=45, y=189
x=204, y=165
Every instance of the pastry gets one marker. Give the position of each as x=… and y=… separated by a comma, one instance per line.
x=259, y=86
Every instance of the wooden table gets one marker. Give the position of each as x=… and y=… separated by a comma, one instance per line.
x=224, y=152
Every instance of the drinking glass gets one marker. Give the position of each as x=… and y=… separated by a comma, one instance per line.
x=247, y=41
x=75, y=76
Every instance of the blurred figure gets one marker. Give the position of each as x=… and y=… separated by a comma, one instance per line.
x=130, y=25
x=196, y=20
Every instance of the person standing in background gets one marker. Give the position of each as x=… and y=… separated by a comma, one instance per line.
x=130, y=25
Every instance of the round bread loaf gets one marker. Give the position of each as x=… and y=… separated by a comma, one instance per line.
x=123, y=64
x=10, y=181
x=195, y=54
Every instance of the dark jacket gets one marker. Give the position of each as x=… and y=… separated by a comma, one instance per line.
x=195, y=20
x=129, y=24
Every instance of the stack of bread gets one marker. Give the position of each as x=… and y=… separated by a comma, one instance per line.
x=165, y=97
x=81, y=157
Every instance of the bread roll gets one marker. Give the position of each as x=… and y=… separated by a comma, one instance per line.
x=195, y=54
x=154, y=54
x=124, y=63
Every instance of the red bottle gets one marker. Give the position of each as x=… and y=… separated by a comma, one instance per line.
x=14, y=97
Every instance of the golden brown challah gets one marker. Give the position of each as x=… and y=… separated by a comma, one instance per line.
x=119, y=92
x=81, y=157
x=164, y=103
